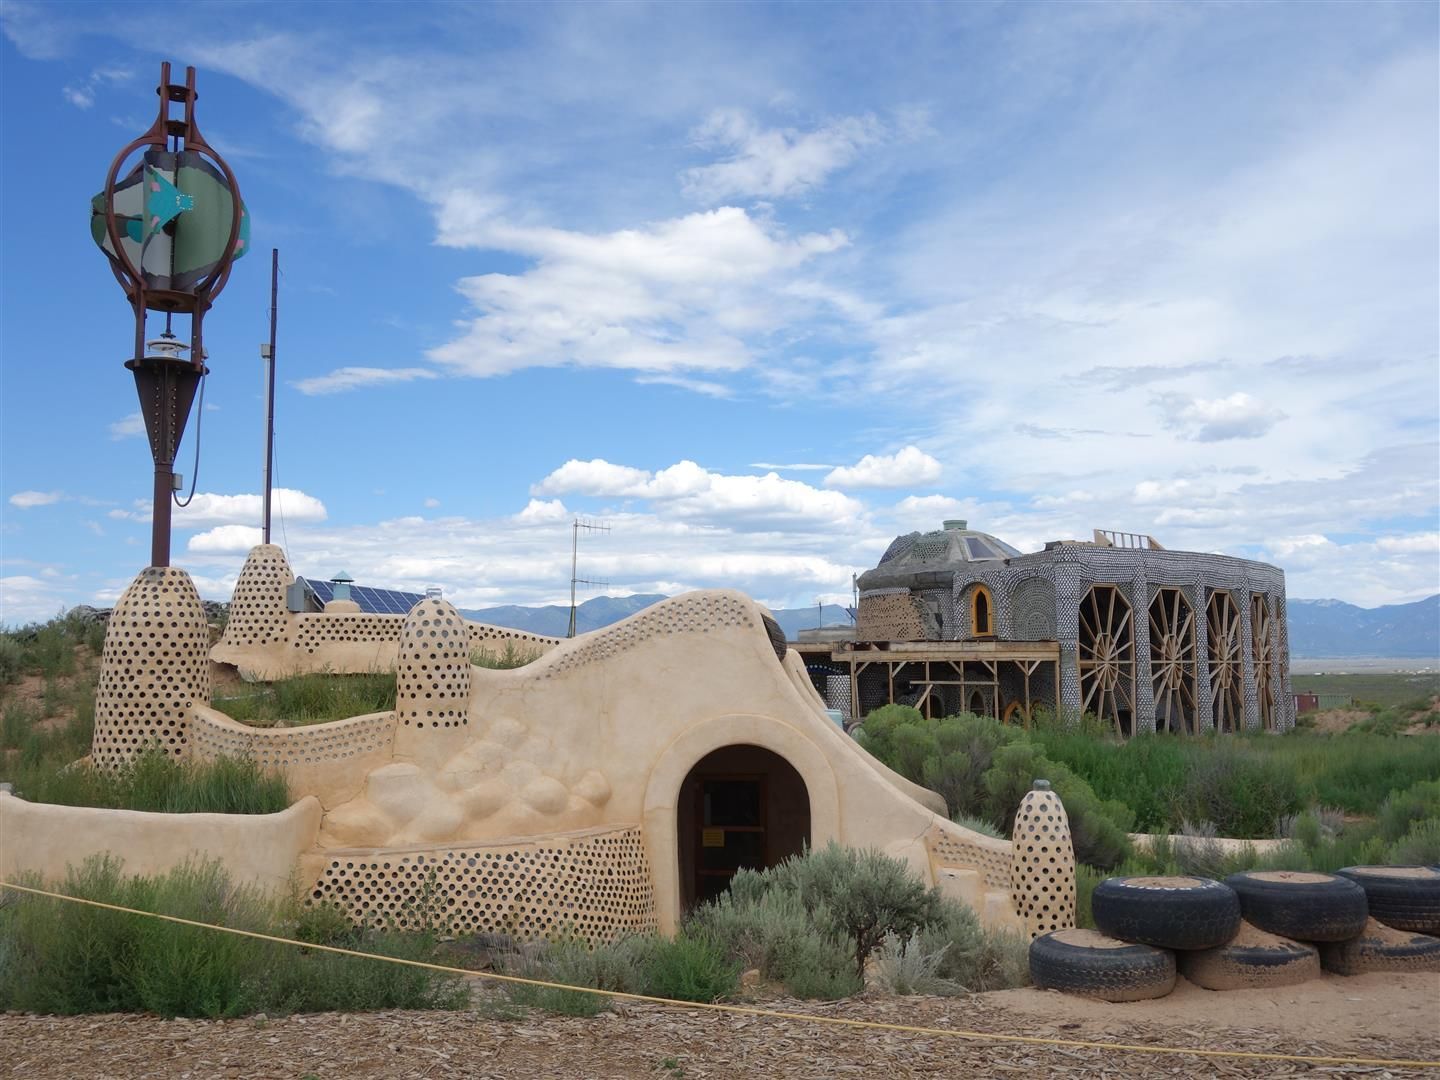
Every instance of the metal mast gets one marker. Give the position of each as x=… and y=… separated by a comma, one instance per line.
x=269, y=354
x=575, y=527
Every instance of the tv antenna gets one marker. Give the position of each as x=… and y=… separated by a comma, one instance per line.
x=576, y=527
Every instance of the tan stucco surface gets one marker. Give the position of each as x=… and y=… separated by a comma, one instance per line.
x=257, y=849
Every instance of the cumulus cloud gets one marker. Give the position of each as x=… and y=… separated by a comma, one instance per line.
x=678, y=295
x=225, y=538
x=26, y=500
x=128, y=427
x=689, y=491
x=1238, y=416
x=543, y=512
x=594, y=477
x=354, y=378
x=802, y=466
x=904, y=468
x=774, y=162
x=208, y=508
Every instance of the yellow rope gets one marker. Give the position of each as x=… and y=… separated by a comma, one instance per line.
x=745, y=1010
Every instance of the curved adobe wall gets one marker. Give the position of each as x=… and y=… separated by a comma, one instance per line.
x=154, y=667
x=257, y=849
x=595, y=884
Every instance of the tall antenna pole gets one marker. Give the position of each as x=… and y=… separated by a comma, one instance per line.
x=575, y=579
x=270, y=389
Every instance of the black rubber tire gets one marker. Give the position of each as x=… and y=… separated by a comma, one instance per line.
x=1088, y=963
x=1406, y=903
x=1255, y=965
x=776, y=636
x=1380, y=948
x=1168, y=912
x=1301, y=905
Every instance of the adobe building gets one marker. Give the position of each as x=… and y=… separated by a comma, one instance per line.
x=1144, y=638
x=602, y=789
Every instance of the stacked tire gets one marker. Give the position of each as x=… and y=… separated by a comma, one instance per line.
x=1141, y=923
x=1254, y=930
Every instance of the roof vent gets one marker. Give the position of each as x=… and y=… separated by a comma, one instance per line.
x=955, y=524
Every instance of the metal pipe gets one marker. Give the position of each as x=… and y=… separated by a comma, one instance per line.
x=270, y=391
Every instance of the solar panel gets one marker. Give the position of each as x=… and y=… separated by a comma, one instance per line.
x=371, y=600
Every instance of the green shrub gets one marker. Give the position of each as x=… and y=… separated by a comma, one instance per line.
x=983, y=826
x=1402, y=810
x=154, y=780
x=911, y=966
x=19, y=719
x=1243, y=793
x=58, y=957
x=1420, y=846
x=687, y=967
x=12, y=660
x=971, y=957
x=864, y=894
x=773, y=932
x=504, y=659
x=1086, y=878
x=311, y=699
x=1098, y=830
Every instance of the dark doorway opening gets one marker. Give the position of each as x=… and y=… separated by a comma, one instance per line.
x=740, y=806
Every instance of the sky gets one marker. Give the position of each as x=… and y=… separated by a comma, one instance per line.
x=760, y=286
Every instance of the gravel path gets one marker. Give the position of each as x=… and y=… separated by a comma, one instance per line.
x=653, y=1041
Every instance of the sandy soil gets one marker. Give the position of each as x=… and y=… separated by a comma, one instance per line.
x=1369, y=1016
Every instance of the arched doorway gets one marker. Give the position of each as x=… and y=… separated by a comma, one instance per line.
x=740, y=806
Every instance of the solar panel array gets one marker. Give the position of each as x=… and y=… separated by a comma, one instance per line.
x=372, y=601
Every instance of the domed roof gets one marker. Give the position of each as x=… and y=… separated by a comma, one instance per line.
x=934, y=553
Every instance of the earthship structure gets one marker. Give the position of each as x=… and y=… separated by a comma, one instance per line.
x=602, y=789
x=1117, y=626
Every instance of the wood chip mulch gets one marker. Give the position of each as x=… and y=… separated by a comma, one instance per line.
x=641, y=1041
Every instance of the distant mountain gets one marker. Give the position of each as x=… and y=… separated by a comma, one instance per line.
x=554, y=621
x=1324, y=628
x=599, y=611
x=1318, y=628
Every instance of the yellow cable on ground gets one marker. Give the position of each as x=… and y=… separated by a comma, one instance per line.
x=745, y=1010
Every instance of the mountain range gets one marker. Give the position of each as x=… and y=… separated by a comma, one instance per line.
x=1318, y=628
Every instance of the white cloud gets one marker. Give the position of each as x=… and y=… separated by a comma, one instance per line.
x=798, y=467
x=354, y=378
x=1418, y=543
x=1238, y=416
x=208, y=508
x=907, y=467
x=543, y=512
x=774, y=162
x=594, y=477
x=683, y=294
x=225, y=538
x=27, y=500
x=431, y=504
x=128, y=426
x=690, y=492
x=82, y=94
x=25, y=598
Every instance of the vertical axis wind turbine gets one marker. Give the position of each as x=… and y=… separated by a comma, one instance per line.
x=172, y=228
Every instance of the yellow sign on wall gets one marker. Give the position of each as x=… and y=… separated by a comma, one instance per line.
x=712, y=838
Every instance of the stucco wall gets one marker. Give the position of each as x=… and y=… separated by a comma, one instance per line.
x=257, y=849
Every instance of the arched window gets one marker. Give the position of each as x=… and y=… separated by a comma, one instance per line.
x=982, y=623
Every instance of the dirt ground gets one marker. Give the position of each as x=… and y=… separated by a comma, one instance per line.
x=1389, y=1016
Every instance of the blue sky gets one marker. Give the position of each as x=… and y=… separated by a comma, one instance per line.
x=761, y=285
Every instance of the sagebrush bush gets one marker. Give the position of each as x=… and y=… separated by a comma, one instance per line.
x=1418, y=847
x=1402, y=810
x=59, y=957
x=910, y=967
x=774, y=933
x=974, y=958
